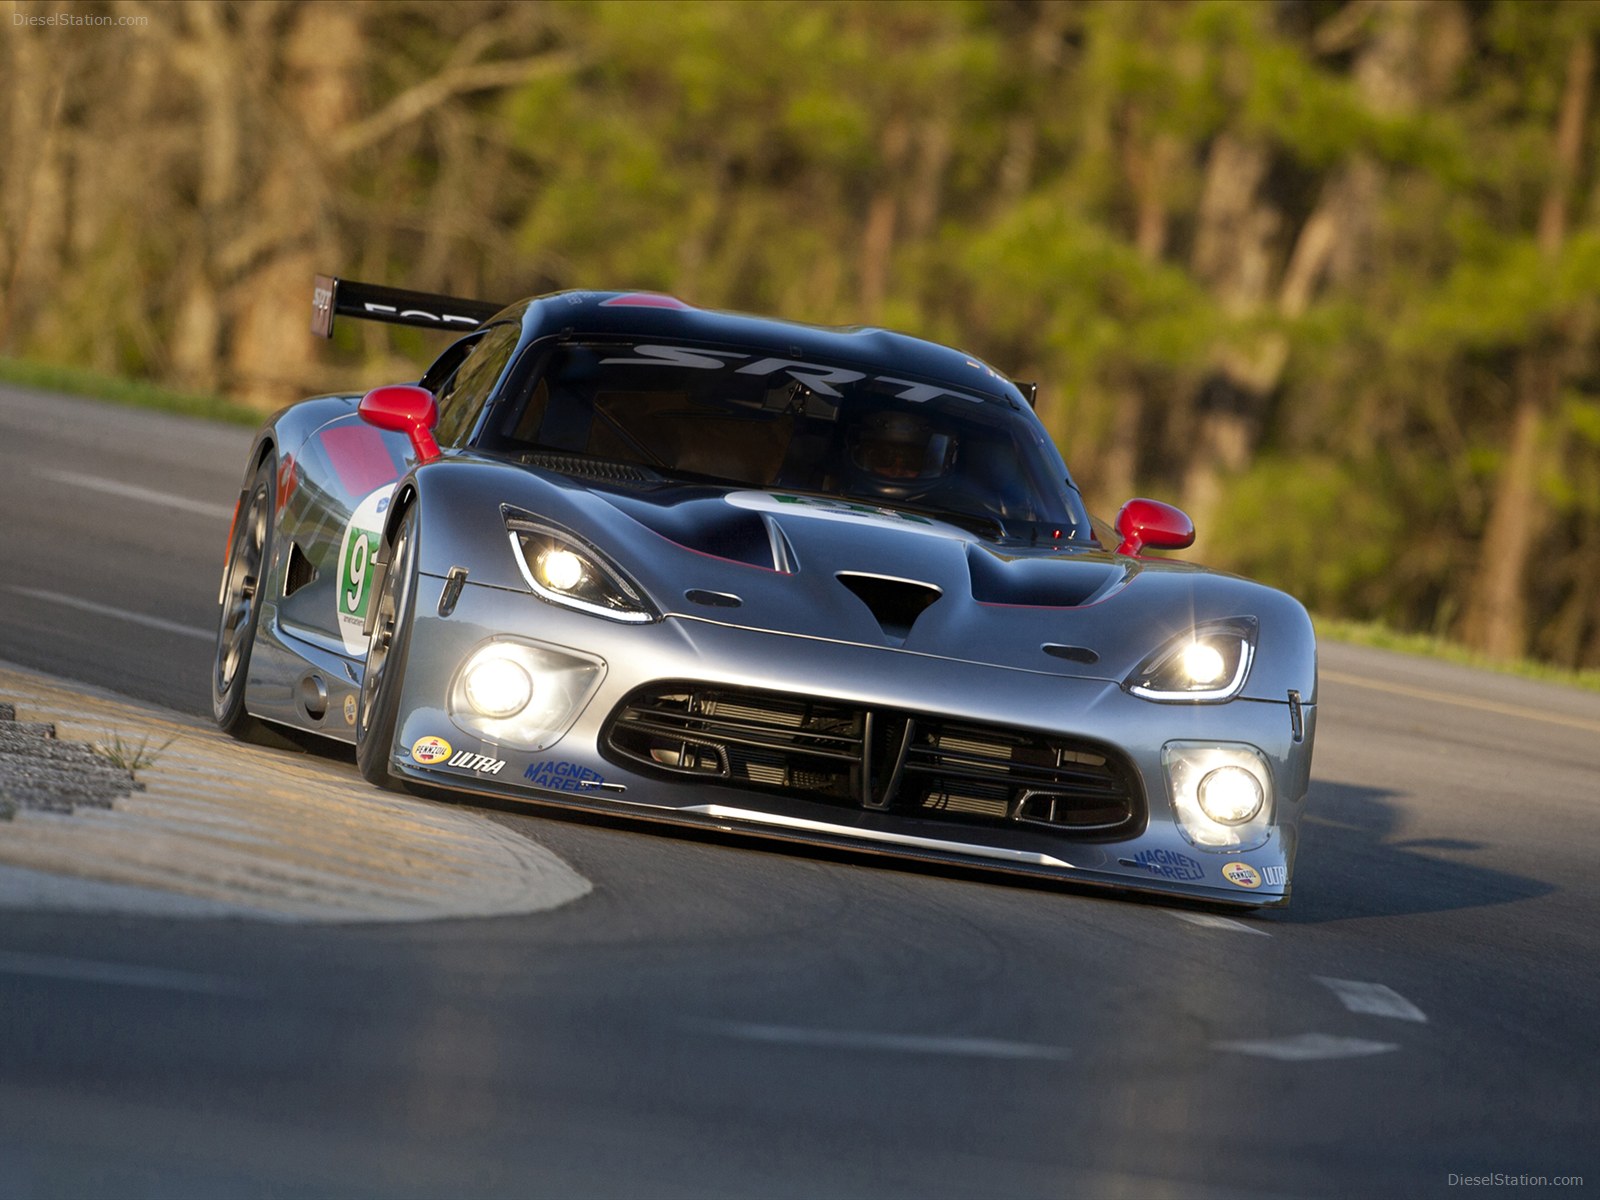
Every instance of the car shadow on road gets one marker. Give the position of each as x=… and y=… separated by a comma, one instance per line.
x=1351, y=864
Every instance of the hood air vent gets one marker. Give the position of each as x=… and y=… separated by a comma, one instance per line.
x=1059, y=581
x=896, y=603
x=592, y=468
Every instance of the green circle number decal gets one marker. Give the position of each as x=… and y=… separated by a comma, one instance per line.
x=356, y=558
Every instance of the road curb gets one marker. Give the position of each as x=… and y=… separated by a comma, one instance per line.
x=221, y=829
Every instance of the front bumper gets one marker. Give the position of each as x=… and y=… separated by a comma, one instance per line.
x=577, y=772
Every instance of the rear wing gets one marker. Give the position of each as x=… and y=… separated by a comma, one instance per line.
x=331, y=297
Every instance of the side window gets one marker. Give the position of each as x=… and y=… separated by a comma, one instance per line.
x=463, y=398
x=444, y=367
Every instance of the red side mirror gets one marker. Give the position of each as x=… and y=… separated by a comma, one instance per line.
x=1152, y=524
x=404, y=408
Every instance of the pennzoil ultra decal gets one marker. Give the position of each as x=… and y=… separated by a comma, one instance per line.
x=356, y=554
x=349, y=710
x=1242, y=875
x=430, y=750
x=481, y=763
x=1275, y=876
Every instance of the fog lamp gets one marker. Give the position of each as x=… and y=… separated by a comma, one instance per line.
x=1229, y=795
x=1221, y=794
x=523, y=695
x=497, y=687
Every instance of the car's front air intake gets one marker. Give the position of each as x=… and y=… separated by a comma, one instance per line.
x=875, y=758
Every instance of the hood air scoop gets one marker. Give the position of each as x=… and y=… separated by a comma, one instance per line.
x=896, y=603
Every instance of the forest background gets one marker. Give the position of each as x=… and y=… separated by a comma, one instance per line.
x=1324, y=272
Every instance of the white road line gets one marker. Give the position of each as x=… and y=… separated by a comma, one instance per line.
x=131, y=491
x=42, y=966
x=1373, y=999
x=1488, y=706
x=894, y=1042
x=1307, y=1047
x=1211, y=921
x=105, y=610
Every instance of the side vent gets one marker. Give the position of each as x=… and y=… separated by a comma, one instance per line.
x=300, y=571
x=1078, y=654
x=895, y=603
x=713, y=599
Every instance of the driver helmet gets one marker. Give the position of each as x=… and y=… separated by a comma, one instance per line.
x=900, y=453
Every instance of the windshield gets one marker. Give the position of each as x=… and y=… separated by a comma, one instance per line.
x=737, y=418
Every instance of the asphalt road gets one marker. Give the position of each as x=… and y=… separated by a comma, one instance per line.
x=718, y=1019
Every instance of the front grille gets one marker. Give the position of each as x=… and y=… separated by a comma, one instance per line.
x=882, y=759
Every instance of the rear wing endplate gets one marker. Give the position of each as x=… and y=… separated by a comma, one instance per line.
x=331, y=297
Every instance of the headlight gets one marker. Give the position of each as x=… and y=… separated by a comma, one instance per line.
x=1209, y=663
x=563, y=570
x=1221, y=793
x=559, y=569
x=523, y=694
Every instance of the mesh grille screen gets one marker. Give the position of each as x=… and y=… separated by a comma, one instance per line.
x=888, y=760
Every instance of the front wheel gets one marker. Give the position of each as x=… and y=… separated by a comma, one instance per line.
x=378, y=715
x=243, y=587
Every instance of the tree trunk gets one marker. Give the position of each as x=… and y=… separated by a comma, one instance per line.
x=270, y=352
x=877, y=239
x=1496, y=619
x=1233, y=257
x=207, y=56
x=1497, y=622
x=1233, y=247
x=33, y=180
x=1149, y=163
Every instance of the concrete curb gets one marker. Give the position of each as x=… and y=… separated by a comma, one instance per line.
x=221, y=829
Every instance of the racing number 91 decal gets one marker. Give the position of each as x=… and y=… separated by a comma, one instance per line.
x=356, y=555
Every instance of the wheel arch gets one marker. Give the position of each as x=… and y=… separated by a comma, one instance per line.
x=404, y=496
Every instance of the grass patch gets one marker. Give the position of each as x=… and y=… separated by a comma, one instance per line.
x=1381, y=637
x=135, y=393
x=130, y=757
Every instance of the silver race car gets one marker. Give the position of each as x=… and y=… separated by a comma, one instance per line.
x=833, y=586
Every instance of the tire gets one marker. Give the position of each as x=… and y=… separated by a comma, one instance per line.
x=378, y=715
x=244, y=582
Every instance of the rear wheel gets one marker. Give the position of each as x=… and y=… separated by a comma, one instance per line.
x=243, y=587
x=378, y=716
